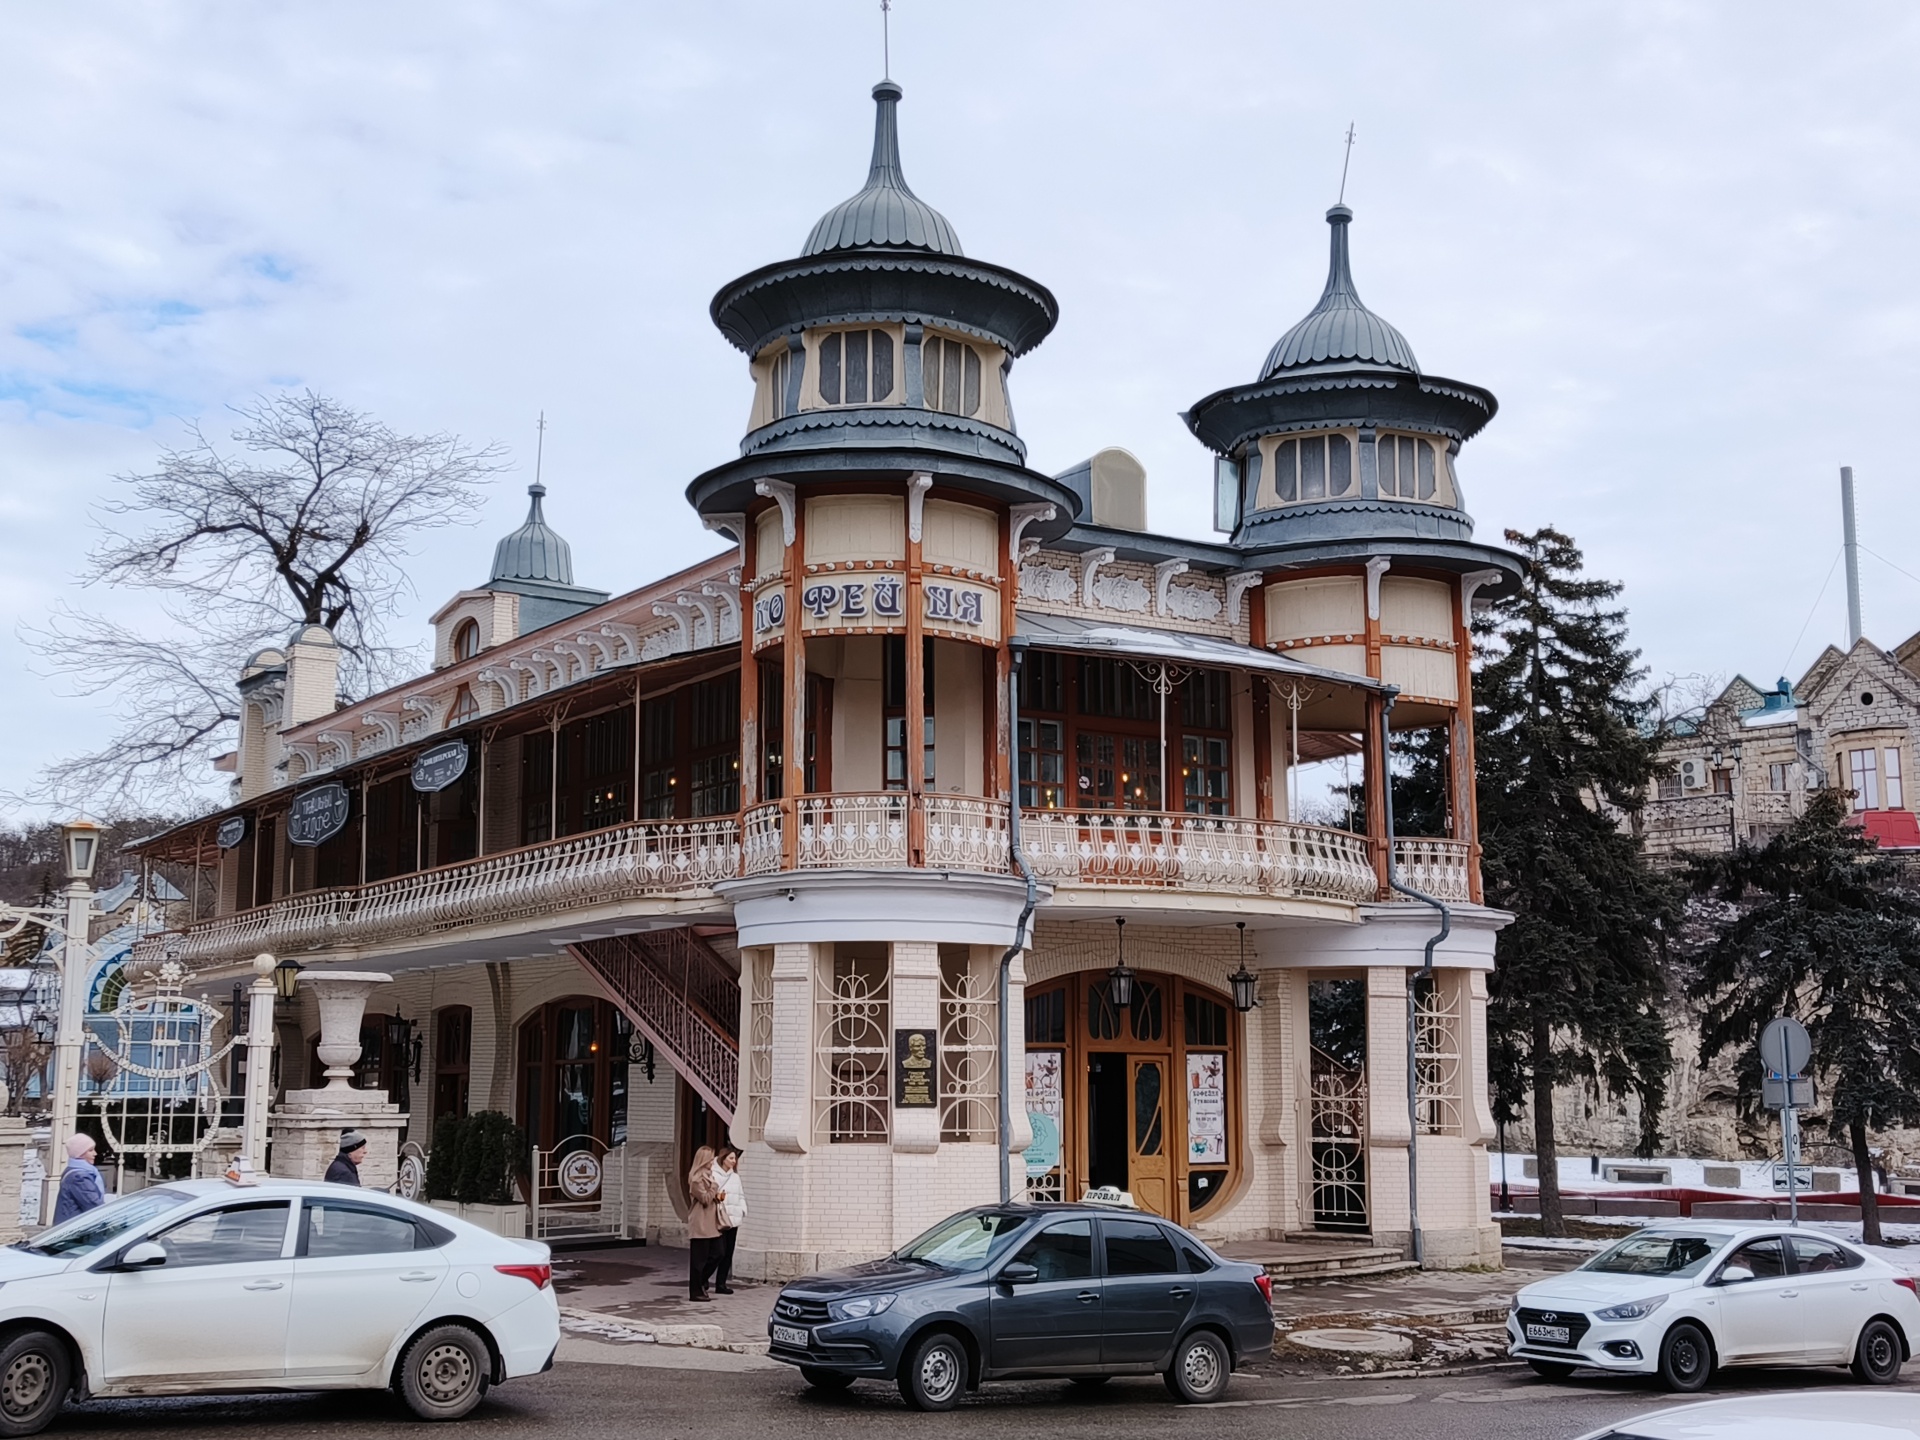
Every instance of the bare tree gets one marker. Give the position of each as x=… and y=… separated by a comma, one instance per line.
x=310, y=520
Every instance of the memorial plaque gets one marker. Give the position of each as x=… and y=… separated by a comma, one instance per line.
x=319, y=814
x=916, y=1069
x=437, y=768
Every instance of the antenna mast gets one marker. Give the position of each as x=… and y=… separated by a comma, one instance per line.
x=886, y=40
x=1853, y=556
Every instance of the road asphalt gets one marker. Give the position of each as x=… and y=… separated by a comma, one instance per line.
x=666, y=1392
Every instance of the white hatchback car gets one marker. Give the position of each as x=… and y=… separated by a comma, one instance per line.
x=1681, y=1298
x=1826, y=1414
x=199, y=1286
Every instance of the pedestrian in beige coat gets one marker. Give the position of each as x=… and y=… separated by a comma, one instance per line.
x=703, y=1224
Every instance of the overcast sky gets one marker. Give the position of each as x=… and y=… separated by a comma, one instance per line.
x=1676, y=240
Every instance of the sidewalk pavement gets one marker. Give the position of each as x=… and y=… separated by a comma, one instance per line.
x=634, y=1294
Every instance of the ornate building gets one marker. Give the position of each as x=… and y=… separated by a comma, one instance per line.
x=941, y=755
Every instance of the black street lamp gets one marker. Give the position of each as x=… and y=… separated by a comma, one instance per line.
x=1245, y=983
x=1120, y=978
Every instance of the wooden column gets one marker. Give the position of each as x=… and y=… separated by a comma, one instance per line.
x=750, y=757
x=1003, y=750
x=1262, y=707
x=916, y=699
x=794, y=738
x=1375, y=776
x=1460, y=769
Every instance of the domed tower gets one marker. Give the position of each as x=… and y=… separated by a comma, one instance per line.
x=1338, y=467
x=880, y=487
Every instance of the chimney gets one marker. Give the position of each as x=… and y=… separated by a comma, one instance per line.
x=313, y=675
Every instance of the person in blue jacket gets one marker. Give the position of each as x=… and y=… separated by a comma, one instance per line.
x=80, y=1187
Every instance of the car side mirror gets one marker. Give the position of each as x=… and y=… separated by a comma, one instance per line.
x=143, y=1256
x=1734, y=1274
x=1018, y=1273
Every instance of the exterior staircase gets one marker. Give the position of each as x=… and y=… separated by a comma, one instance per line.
x=1310, y=1256
x=680, y=995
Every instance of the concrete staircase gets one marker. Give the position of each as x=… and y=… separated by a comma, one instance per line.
x=1316, y=1256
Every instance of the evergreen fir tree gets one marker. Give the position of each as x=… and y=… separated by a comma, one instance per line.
x=1564, y=746
x=1822, y=929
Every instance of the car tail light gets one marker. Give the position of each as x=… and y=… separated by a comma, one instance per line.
x=1265, y=1282
x=1908, y=1282
x=539, y=1276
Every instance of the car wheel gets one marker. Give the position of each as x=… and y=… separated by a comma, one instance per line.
x=1686, y=1359
x=1201, y=1368
x=444, y=1372
x=822, y=1379
x=935, y=1373
x=1551, y=1369
x=1877, y=1358
x=34, y=1376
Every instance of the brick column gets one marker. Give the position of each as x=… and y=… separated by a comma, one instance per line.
x=1388, y=1128
x=918, y=1201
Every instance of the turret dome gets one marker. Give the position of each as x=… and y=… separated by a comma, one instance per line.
x=1339, y=328
x=535, y=551
x=885, y=213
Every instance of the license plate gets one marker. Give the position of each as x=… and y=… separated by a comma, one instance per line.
x=790, y=1335
x=1550, y=1334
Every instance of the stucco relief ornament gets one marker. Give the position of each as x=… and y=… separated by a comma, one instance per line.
x=1120, y=592
x=657, y=646
x=1047, y=583
x=1190, y=602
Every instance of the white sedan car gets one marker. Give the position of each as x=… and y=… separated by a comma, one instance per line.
x=1679, y=1299
x=1827, y=1414
x=199, y=1286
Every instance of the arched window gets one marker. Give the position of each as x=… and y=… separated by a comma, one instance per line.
x=464, y=708
x=466, y=640
x=573, y=1072
x=856, y=367
x=950, y=376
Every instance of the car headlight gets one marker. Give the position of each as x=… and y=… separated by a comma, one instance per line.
x=1632, y=1310
x=860, y=1307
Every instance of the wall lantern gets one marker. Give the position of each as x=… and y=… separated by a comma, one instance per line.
x=42, y=1027
x=404, y=1044
x=1244, y=982
x=286, y=978
x=83, y=848
x=1120, y=978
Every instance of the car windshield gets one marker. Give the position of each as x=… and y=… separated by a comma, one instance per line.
x=104, y=1225
x=964, y=1243
x=1674, y=1255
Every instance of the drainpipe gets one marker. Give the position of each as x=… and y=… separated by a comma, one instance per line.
x=1413, y=984
x=1019, y=858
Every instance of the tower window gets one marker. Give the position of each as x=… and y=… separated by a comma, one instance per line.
x=779, y=372
x=856, y=367
x=466, y=640
x=950, y=376
x=1408, y=467
x=1315, y=467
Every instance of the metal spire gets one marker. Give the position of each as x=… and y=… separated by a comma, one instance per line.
x=539, y=446
x=886, y=40
x=1343, y=164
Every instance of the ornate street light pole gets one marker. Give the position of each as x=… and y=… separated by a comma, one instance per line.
x=82, y=845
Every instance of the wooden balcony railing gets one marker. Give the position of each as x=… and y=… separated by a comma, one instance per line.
x=875, y=831
x=1439, y=867
x=1198, y=853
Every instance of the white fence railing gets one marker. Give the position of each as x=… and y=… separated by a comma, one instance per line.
x=1197, y=852
x=1439, y=867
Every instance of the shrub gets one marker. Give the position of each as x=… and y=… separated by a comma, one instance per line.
x=475, y=1158
x=444, y=1159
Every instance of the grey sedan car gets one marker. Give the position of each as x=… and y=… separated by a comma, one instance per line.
x=1021, y=1292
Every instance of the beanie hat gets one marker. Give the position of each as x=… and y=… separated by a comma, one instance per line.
x=78, y=1145
x=352, y=1140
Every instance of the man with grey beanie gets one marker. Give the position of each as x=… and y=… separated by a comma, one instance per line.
x=345, y=1169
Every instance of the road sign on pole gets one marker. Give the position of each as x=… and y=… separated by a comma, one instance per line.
x=1785, y=1049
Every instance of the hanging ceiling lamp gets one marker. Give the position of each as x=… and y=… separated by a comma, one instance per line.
x=1244, y=982
x=1120, y=978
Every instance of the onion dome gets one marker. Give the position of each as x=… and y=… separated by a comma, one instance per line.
x=535, y=551
x=885, y=213
x=1340, y=327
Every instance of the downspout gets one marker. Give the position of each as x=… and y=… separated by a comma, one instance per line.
x=1019, y=858
x=1413, y=984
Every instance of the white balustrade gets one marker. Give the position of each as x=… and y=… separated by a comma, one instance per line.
x=1199, y=853
x=851, y=831
x=963, y=832
x=1440, y=868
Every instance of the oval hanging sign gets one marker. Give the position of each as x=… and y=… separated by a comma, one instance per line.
x=232, y=831
x=439, y=767
x=319, y=814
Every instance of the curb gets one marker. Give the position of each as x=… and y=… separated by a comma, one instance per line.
x=592, y=1324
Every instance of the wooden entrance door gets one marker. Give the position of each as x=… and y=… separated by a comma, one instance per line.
x=1149, y=1167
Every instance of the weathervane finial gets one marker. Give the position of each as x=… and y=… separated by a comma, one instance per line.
x=886, y=40
x=1348, y=160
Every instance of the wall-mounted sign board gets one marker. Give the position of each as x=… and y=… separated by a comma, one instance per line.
x=438, y=767
x=319, y=814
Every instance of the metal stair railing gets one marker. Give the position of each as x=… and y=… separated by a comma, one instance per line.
x=681, y=996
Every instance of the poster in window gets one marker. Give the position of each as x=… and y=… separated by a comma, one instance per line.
x=1206, y=1109
x=1044, y=1106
